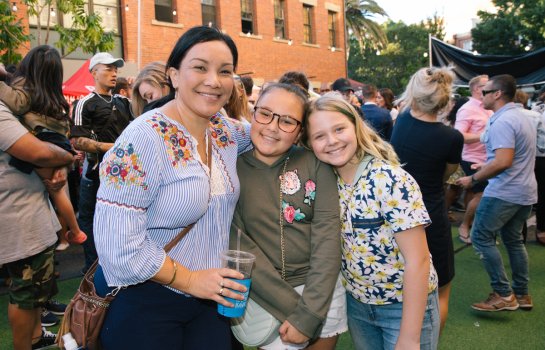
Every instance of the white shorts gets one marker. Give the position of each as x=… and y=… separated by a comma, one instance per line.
x=335, y=323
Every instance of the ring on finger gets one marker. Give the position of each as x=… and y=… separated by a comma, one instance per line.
x=221, y=291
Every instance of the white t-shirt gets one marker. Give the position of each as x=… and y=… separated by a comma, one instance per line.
x=28, y=224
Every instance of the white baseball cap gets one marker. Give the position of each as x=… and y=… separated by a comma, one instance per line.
x=105, y=58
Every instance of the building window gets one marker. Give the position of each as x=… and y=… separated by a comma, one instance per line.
x=109, y=12
x=307, y=24
x=164, y=11
x=332, y=28
x=247, y=15
x=279, y=19
x=209, y=17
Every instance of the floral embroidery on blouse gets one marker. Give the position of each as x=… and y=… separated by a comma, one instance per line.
x=290, y=182
x=290, y=213
x=220, y=133
x=384, y=201
x=310, y=192
x=178, y=146
x=123, y=167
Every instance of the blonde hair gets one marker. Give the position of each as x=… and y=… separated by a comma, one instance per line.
x=154, y=74
x=428, y=90
x=368, y=141
x=476, y=80
x=237, y=106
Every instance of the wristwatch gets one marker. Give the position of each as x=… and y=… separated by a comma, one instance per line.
x=474, y=181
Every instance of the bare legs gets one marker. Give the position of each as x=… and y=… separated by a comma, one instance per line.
x=472, y=202
x=25, y=326
x=444, y=296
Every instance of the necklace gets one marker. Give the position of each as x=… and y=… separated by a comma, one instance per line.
x=103, y=99
x=282, y=242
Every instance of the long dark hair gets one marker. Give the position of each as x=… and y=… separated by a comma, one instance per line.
x=194, y=36
x=42, y=70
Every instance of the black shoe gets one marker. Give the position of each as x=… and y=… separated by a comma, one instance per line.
x=46, y=340
x=48, y=319
x=55, y=307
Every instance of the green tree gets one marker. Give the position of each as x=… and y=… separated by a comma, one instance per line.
x=86, y=31
x=360, y=21
x=516, y=27
x=392, y=67
x=11, y=35
x=435, y=26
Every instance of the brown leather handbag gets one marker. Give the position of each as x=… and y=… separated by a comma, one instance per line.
x=86, y=312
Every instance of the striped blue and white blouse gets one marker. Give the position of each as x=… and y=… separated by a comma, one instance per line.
x=153, y=184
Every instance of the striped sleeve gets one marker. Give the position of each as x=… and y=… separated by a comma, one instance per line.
x=82, y=123
x=129, y=182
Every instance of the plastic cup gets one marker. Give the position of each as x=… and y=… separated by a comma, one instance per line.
x=242, y=262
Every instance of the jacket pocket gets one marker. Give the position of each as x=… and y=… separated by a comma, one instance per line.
x=365, y=223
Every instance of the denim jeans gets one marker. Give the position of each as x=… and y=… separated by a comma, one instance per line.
x=495, y=216
x=87, y=203
x=375, y=327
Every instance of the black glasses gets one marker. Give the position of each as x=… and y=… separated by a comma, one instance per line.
x=486, y=92
x=286, y=123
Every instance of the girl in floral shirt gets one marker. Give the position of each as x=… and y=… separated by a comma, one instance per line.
x=390, y=281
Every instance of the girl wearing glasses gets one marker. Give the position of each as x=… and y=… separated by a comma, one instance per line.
x=288, y=217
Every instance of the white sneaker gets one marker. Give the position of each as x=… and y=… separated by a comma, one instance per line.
x=62, y=246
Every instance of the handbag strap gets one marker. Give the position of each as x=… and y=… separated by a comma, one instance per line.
x=183, y=232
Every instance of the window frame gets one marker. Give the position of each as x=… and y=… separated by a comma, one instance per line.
x=213, y=5
x=332, y=27
x=164, y=15
x=280, y=22
x=308, y=28
x=249, y=6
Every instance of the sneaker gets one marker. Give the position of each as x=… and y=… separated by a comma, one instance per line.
x=48, y=319
x=47, y=340
x=495, y=302
x=62, y=246
x=525, y=302
x=55, y=307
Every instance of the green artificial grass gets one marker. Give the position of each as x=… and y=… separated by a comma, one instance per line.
x=466, y=329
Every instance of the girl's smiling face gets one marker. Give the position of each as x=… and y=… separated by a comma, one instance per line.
x=269, y=140
x=332, y=137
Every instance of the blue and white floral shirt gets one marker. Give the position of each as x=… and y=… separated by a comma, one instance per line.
x=152, y=184
x=383, y=200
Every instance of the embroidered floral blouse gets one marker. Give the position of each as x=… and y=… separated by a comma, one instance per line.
x=384, y=200
x=153, y=184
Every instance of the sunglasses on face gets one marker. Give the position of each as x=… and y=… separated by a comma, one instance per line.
x=486, y=92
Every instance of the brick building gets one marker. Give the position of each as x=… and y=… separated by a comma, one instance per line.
x=273, y=36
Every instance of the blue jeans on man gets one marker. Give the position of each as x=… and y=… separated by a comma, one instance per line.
x=497, y=217
x=87, y=203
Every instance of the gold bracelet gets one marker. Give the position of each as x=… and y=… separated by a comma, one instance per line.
x=174, y=275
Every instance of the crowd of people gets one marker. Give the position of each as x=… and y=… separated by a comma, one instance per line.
x=186, y=143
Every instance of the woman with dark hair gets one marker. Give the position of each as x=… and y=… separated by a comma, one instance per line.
x=431, y=152
x=170, y=168
x=385, y=99
x=36, y=94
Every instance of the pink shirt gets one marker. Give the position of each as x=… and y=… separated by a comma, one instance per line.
x=471, y=118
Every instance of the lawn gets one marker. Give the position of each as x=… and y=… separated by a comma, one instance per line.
x=465, y=329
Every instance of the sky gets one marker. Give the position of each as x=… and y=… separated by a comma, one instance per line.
x=457, y=13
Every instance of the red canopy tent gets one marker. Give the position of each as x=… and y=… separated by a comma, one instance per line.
x=79, y=84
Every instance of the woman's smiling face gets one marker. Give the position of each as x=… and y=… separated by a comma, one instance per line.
x=204, y=79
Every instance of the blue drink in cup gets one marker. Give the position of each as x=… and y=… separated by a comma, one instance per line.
x=243, y=262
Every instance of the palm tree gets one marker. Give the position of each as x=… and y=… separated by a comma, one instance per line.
x=359, y=16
